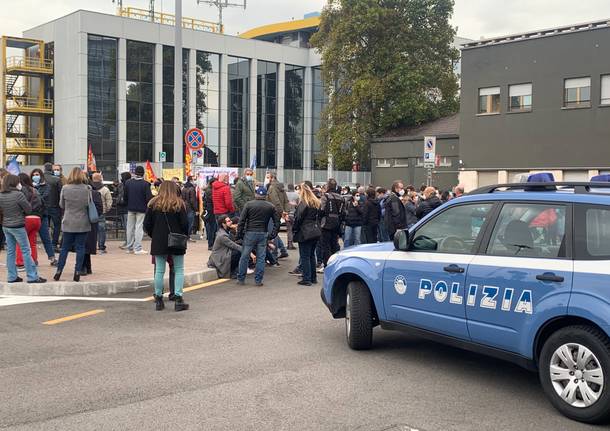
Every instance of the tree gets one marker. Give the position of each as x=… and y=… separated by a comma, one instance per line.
x=385, y=64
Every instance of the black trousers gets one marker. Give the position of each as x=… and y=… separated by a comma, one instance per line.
x=329, y=243
x=369, y=233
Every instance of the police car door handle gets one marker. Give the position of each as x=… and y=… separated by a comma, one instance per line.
x=454, y=268
x=549, y=276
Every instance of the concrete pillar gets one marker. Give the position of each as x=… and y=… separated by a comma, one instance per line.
x=253, y=111
x=82, y=148
x=502, y=177
x=224, y=110
x=308, y=126
x=158, y=95
x=593, y=172
x=469, y=179
x=122, y=102
x=281, y=106
x=192, y=89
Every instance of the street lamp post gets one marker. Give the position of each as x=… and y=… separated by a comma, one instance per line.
x=178, y=86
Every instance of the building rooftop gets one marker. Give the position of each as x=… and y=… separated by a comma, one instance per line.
x=442, y=127
x=282, y=27
x=556, y=31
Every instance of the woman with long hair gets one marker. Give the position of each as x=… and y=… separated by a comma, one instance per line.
x=91, y=241
x=166, y=214
x=75, y=225
x=14, y=208
x=32, y=220
x=40, y=184
x=307, y=233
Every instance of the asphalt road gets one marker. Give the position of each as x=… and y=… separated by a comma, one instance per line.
x=246, y=358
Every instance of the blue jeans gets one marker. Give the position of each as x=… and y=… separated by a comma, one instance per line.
x=76, y=240
x=160, y=262
x=383, y=232
x=55, y=218
x=210, y=229
x=14, y=236
x=352, y=236
x=253, y=241
x=101, y=233
x=307, y=260
x=190, y=216
x=45, y=237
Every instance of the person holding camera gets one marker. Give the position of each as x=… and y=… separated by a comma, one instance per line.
x=354, y=220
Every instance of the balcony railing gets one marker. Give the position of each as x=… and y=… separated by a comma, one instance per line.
x=169, y=19
x=29, y=146
x=29, y=104
x=29, y=64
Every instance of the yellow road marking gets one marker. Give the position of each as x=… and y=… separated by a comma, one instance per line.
x=72, y=317
x=196, y=287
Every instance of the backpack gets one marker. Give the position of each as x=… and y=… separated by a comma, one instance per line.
x=333, y=213
x=120, y=199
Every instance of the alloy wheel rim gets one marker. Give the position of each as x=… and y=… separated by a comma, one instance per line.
x=576, y=375
x=348, y=314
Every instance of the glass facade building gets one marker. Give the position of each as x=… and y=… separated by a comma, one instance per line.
x=239, y=72
x=319, y=99
x=102, y=101
x=208, y=104
x=293, y=117
x=266, y=114
x=168, y=98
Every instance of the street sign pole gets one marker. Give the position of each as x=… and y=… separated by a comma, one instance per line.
x=429, y=157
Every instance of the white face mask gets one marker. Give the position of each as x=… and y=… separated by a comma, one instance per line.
x=248, y=177
x=401, y=193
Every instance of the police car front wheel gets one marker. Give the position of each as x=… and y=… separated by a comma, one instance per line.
x=574, y=370
x=358, y=316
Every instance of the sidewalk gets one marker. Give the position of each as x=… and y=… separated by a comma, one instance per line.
x=114, y=272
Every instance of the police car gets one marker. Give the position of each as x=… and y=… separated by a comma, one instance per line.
x=517, y=271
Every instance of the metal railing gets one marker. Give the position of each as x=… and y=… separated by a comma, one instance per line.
x=32, y=64
x=169, y=19
x=29, y=146
x=29, y=104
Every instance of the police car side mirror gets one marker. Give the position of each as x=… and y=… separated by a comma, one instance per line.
x=401, y=240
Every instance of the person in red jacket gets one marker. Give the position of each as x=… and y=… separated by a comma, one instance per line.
x=222, y=197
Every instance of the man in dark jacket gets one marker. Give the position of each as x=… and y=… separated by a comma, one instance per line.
x=189, y=195
x=209, y=218
x=429, y=204
x=253, y=229
x=53, y=180
x=279, y=198
x=244, y=190
x=371, y=217
x=395, y=213
x=137, y=195
x=332, y=214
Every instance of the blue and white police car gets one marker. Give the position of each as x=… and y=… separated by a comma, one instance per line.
x=516, y=271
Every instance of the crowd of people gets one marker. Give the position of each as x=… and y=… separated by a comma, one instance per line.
x=241, y=221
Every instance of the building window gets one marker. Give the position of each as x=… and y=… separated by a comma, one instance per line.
x=577, y=93
x=140, y=100
x=401, y=163
x=320, y=100
x=168, y=98
x=489, y=100
x=239, y=72
x=266, y=114
x=208, y=104
x=102, y=102
x=383, y=163
x=293, y=117
x=520, y=97
x=605, y=98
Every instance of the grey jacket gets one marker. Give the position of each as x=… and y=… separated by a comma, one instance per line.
x=74, y=200
x=14, y=207
x=220, y=258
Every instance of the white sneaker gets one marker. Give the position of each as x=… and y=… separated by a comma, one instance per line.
x=140, y=252
x=320, y=270
x=129, y=251
x=249, y=271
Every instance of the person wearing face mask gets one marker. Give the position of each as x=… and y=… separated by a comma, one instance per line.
x=244, y=190
x=52, y=176
x=430, y=203
x=189, y=196
x=395, y=213
x=38, y=180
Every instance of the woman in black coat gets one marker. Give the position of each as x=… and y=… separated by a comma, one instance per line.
x=166, y=214
x=91, y=242
x=372, y=215
x=307, y=233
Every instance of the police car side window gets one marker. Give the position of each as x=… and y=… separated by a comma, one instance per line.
x=529, y=230
x=598, y=232
x=455, y=230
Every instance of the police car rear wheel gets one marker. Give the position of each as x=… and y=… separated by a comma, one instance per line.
x=358, y=316
x=574, y=371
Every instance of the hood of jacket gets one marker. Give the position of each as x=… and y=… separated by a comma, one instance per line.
x=97, y=185
x=217, y=185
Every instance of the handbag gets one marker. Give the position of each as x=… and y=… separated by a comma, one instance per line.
x=310, y=230
x=92, y=211
x=177, y=241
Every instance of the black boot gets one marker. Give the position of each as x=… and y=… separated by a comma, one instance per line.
x=180, y=305
x=57, y=276
x=76, y=276
x=159, y=304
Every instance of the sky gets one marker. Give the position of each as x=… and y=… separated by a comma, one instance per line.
x=473, y=18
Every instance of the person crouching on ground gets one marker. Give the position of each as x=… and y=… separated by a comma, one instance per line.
x=253, y=228
x=307, y=233
x=166, y=213
x=226, y=253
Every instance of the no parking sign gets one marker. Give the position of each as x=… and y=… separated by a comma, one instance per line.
x=194, y=139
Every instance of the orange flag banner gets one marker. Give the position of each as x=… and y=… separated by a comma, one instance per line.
x=91, y=164
x=149, y=174
x=188, y=160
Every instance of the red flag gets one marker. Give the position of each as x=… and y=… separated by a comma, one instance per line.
x=188, y=159
x=149, y=174
x=91, y=165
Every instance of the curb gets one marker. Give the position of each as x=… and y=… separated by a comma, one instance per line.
x=97, y=288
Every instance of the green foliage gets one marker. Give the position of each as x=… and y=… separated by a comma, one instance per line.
x=386, y=64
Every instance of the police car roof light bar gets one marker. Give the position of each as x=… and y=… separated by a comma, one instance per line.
x=579, y=187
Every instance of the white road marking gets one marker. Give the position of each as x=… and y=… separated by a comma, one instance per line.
x=18, y=300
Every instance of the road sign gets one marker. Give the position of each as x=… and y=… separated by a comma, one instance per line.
x=429, y=151
x=162, y=156
x=194, y=139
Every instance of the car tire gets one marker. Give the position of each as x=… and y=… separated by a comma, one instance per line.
x=587, y=397
x=358, y=316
